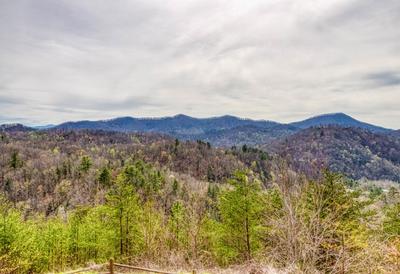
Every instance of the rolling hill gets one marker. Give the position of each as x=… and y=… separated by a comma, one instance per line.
x=15, y=128
x=224, y=131
x=336, y=141
x=244, y=135
x=178, y=124
x=354, y=152
x=186, y=125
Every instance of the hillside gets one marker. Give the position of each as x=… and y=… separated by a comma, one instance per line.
x=15, y=128
x=178, y=124
x=354, y=152
x=344, y=145
x=339, y=119
x=396, y=133
x=249, y=135
x=70, y=198
x=224, y=131
x=48, y=160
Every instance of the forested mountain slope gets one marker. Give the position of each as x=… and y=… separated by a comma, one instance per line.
x=15, y=128
x=224, y=131
x=344, y=144
x=396, y=133
x=354, y=152
x=43, y=170
x=69, y=198
x=249, y=135
x=179, y=124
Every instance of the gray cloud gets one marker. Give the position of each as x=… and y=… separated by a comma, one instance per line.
x=385, y=78
x=8, y=100
x=279, y=60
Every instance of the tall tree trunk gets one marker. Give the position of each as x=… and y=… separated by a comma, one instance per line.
x=248, y=238
x=121, y=244
x=127, y=235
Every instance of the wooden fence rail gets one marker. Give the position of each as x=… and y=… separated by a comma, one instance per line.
x=112, y=265
x=93, y=267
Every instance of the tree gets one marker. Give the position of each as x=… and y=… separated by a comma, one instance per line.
x=146, y=179
x=391, y=229
x=86, y=163
x=241, y=208
x=391, y=223
x=15, y=161
x=175, y=187
x=332, y=220
x=177, y=225
x=104, y=177
x=123, y=202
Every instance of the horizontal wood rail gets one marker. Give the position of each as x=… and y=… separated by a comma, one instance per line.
x=112, y=265
x=143, y=269
x=93, y=267
x=111, y=268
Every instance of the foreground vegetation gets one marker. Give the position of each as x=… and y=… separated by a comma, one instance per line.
x=135, y=211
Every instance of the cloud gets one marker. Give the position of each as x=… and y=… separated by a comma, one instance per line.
x=385, y=78
x=279, y=60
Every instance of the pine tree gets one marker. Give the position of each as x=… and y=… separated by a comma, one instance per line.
x=15, y=161
x=104, y=177
x=177, y=224
x=391, y=224
x=86, y=163
x=241, y=208
x=123, y=202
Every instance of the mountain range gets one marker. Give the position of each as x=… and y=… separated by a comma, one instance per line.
x=188, y=127
x=184, y=125
x=336, y=141
x=223, y=131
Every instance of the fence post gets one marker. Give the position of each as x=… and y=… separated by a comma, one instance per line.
x=111, y=266
x=194, y=271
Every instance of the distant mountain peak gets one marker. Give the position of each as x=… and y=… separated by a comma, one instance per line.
x=181, y=116
x=339, y=119
x=333, y=114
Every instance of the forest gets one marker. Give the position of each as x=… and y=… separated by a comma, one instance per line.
x=69, y=198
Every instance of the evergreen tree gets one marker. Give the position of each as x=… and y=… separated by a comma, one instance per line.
x=104, y=177
x=15, y=161
x=123, y=202
x=86, y=163
x=391, y=224
x=241, y=208
x=177, y=225
x=334, y=218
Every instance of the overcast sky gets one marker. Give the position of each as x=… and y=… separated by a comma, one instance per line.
x=281, y=60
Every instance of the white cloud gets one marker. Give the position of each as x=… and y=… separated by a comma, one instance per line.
x=280, y=59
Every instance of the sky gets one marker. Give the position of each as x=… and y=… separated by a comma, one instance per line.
x=281, y=60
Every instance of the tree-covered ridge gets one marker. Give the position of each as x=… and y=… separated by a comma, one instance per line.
x=354, y=152
x=41, y=171
x=184, y=126
x=250, y=135
x=178, y=125
x=349, y=146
